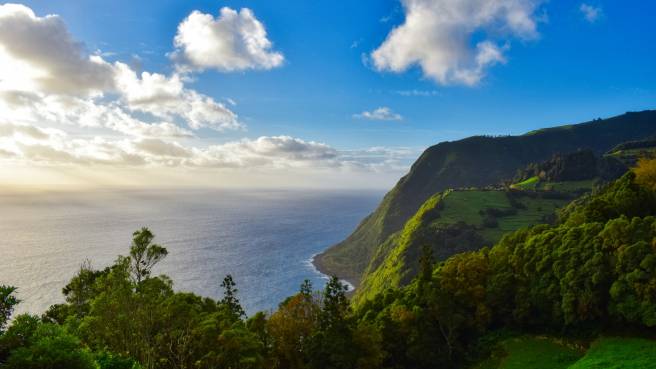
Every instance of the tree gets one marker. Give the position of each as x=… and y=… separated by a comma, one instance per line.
x=291, y=327
x=332, y=344
x=7, y=303
x=51, y=347
x=335, y=304
x=306, y=288
x=645, y=172
x=230, y=300
x=80, y=290
x=144, y=254
x=426, y=263
x=17, y=335
x=239, y=349
x=107, y=360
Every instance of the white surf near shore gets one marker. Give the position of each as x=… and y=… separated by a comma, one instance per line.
x=310, y=262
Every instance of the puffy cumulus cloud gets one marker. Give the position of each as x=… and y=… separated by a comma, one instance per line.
x=230, y=42
x=40, y=53
x=167, y=98
x=437, y=36
x=591, y=13
x=47, y=76
x=382, y=113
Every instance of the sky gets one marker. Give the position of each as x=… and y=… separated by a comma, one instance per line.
x=339, y=94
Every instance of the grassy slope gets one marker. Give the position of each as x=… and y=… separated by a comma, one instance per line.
x=475, y=161
x=531, y=353
x=545, y=353
x=616, y=353
x=397, y=258
x=529, y=184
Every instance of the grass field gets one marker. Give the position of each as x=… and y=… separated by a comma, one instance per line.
x=529, y=184
x=465, y=206
x=631, y=156
x=569, y=186
x=616, y=353
x=547, y=353
x=534, y=183
x=531, y=353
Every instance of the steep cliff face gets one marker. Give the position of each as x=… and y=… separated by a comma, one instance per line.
x=472, y=162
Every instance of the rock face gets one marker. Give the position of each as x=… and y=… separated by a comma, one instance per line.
x=475, y=161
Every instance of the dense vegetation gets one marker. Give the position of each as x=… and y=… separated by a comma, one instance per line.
x=472, y=162
x=452, y=222
x=455, y=221
x=593, y=271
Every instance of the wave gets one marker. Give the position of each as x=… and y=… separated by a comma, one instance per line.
x=310, y=263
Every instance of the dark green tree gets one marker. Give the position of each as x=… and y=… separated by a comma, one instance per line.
x=230, y=300
x=335, y=304
x=51, y=347
x=144, y=254
x=306, y=288
x=7, y=303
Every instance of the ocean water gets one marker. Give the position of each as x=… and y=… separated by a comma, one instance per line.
x=264, y=239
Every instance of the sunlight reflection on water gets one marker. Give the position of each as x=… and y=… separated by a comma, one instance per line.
x=265, y=239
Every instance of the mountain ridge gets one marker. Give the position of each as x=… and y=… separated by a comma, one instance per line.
x=475, y=161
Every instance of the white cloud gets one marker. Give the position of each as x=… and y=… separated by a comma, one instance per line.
x=40, y=53
x=233, y=41
x=9, y=130
x=591, y=13
x=52, y=147
x=415, y=92
x=437, y=34
x=48, y=77
x=158, y=147
x=382, y=113
x=270, y=152
x=63, y=107
x=35, y=108
x=167, y=98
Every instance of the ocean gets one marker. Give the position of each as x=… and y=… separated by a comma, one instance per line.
x=264, y=239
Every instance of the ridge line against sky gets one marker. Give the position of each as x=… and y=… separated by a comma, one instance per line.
x=229, y=93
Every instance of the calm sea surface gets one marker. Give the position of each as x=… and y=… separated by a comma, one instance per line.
x=265, y=239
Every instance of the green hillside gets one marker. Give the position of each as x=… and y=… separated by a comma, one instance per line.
x=472, y=162
x=619, y=353
x=456, y=221
x=630, y=152
x=549, y=353
x=591, y=273
x=532, y=352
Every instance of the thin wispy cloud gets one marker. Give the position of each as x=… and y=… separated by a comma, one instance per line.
x=383, y=113
x=591, y=13
x=415, y=92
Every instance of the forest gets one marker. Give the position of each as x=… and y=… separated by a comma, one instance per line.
x=589, y=274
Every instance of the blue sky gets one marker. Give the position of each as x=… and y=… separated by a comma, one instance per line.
x=573, y=66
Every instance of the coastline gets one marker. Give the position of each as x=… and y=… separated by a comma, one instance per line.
x=315, y=262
